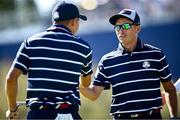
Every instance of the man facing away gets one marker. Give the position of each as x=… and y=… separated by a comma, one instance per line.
x=53, y=60
x=135, y=71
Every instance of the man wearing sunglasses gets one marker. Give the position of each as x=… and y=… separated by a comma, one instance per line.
x=135, y=71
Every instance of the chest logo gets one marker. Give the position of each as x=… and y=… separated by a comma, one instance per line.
x=146, y=64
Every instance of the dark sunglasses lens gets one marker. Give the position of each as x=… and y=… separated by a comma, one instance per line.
x=126, y=26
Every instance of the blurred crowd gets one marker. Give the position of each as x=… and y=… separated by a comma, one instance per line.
x=24, y=13
x=151, y=11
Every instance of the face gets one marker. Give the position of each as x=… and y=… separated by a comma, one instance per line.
x=126, y=31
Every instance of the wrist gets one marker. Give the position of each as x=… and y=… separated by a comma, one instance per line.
x=13, y=109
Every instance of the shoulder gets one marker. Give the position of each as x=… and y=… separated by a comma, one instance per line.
x=116, y=52
x=153, y=49
x=82, y=42
x=35, y=36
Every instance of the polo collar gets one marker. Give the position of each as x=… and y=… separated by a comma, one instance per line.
x=59, y=28
x=139, y=47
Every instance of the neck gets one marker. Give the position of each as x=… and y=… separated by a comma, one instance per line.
x=130, y=46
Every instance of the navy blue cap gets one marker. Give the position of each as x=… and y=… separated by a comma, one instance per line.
x=126, y=13
x=66, y=11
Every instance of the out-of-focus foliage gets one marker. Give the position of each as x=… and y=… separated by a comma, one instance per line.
x=10, y=5
x=17, y=13
x=7, y=5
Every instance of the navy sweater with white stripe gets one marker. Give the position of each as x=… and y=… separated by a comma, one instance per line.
x=54, y=61
x=135, y=78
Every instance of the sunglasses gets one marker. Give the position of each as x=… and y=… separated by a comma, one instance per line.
x=125, y=26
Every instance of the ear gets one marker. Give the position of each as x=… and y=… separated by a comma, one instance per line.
x=73, y=22
x=138, y=28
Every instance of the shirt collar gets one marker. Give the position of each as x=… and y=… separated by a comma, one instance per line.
x=139, y=47
x=59, y=28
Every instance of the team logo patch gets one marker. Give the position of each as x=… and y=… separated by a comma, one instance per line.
x=146, y=64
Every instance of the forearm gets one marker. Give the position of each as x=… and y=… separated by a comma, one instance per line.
x=11, y=93
x=89, y=93
x=172, y=103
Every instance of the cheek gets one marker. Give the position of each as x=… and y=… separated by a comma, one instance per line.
x=119, y=39
x=116, y=33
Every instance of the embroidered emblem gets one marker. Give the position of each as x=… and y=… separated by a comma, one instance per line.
x=146, y=64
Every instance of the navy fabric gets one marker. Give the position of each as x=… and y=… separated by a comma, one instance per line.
x=54, y=60
x=135, y=77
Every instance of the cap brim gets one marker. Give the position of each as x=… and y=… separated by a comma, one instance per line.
x=114, y=18
x=83, y=17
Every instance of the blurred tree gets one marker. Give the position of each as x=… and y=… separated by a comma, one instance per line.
x=31, y=4
x=7, y=5
x=17, y=13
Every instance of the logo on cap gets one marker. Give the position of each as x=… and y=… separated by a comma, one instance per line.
x=56, y=15
x=126, y=12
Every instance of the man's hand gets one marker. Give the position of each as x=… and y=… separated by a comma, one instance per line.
x=85, y=81
x=12, y=114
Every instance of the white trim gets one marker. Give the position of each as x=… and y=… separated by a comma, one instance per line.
x=89, y=54
x=55, y=70
x=57, y=49
x=87, y=71
x=59, y=40
x=141, y=110
x=24, y=55
x=53, y=80
x=125, y=63
x=55, y=59
x=48, y=90
x=166, y=76
x=163, y=68
x=132, y=91
x=132, y=81
x=132, y=101
x=22, y=65
x=131, y=71
x=88, y=63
